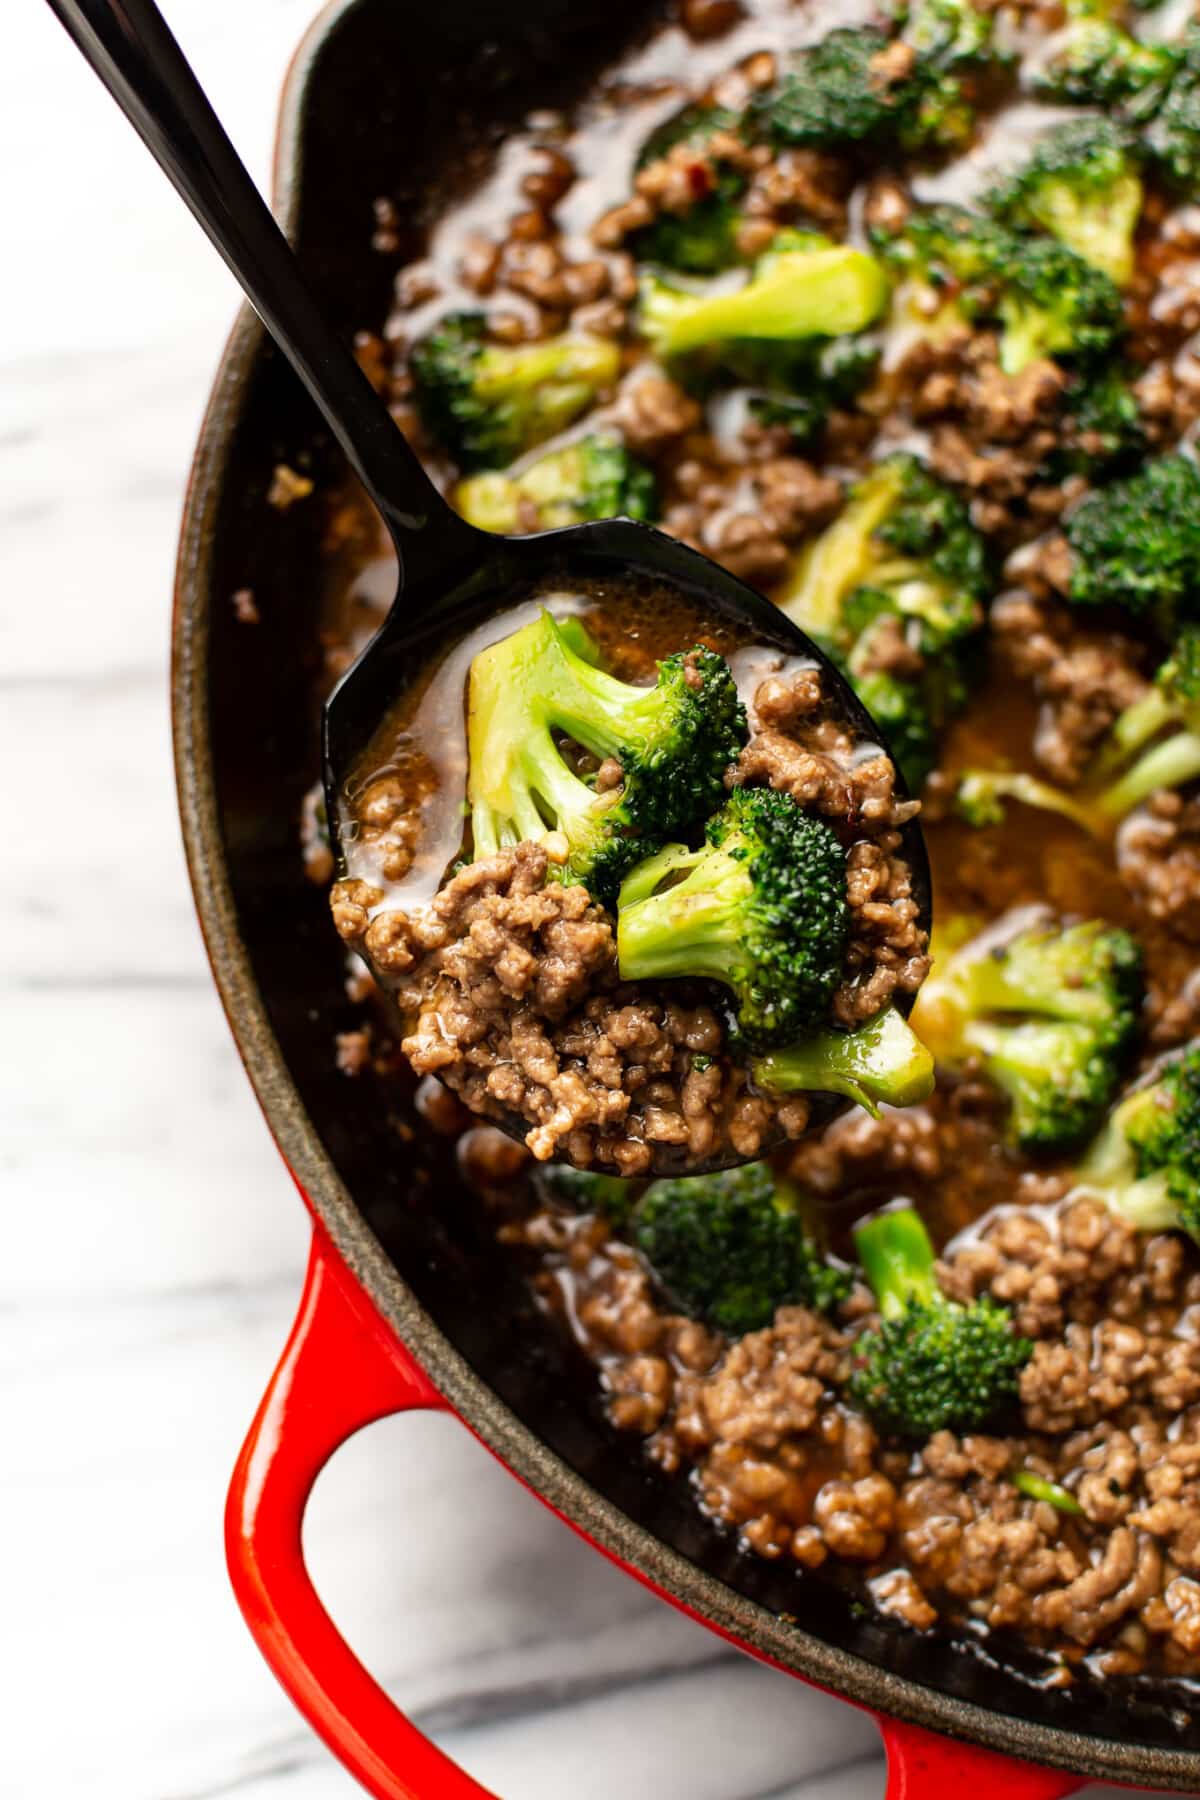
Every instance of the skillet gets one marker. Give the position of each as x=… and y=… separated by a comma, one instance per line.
x=408, y=1302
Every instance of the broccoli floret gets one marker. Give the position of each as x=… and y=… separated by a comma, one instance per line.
x=832, y=94
x=851, y=89
x=588, y=1190
x=930, y=1364
x=1104, y=435
x=731, y=1248
x=703, y=239
x=595, y=478
x=489, y=403
x=1039, y=1487
x=1082, y=186
x=951, y=34
x=956, y=266
x=1054, y=304
x=1051, y=1010
x=673, y=740
x=1146, y=1161
x=953, y=42
x=799, y=385
x=760, y=908
x=1173, y=136
x=1136, y=543
x=903, y=555
x=1097, y=62
x=880, y=1063
x=804, y=286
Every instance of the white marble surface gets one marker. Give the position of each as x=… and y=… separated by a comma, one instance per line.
x=154, y=1246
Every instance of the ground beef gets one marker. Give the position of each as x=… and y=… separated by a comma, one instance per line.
x=511, y=984
x=887, y=953
x=1082, y=677
x=858, y=1150
x=1158, y=854
x=1049, y=1266
x=749, y=517
x=652, y=412
x=940, y=1531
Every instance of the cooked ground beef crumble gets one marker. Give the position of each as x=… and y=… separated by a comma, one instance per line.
x=526, y=1014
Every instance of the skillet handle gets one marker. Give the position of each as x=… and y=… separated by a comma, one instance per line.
x=341, y=1370
x=923, y=1766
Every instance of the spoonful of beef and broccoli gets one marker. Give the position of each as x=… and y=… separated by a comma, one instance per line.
x=636, y=912
x=670, y=936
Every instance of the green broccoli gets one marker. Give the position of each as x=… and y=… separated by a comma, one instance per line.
x=674, y=742
x=1097, y=62
x=760, y=908
x=930, y=1364
x=981, y=799
x=803, y=286
x=731, y=1248
x=1136, y=543
x=489, y=403
x=881, y=1062
x=703, y=239
x=1104, y=435
x=852, y=89
x=951, y=34
x=957, y=267
x=595, y=478
x=1173, y=136
x=832, y=94
x=1082, y=186
x=1039, y=1487
x=799, y=384
x=587, y=1190
x=1154, y=744
x=1145, y=1163
x=954, y=44
x=1051, y=1011
x=902, y=555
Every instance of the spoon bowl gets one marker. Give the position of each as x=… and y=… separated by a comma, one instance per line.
x=451, y=573
x=495, y=574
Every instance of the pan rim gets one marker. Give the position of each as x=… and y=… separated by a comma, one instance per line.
x=746, y=1623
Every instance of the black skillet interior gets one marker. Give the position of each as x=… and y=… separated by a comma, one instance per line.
x=398, y=95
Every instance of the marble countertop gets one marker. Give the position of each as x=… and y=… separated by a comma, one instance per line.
x=155, y=1246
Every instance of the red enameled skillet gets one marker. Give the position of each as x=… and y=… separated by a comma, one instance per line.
x=407, y=1304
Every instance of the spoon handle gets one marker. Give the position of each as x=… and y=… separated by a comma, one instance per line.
x=130, y=47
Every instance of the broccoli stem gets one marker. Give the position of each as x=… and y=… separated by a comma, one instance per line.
x=1110, y=1169
x=692, y=928
x=1040, y=1487
x=1167, y=765
x=843, y=557
x=883, y=1062
x=652, y=871
x=601, y=712
x=897, y=1256
x=576, y=365
x=537, y=772
x=980, y=792
x=821, y=292
x=1141, y=721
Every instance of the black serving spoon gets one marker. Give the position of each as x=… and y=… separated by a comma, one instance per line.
x=452, y=575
